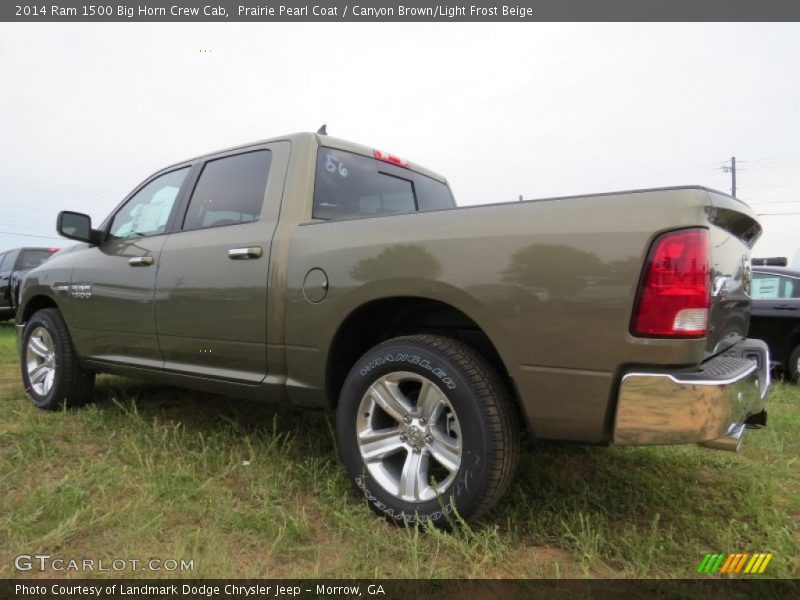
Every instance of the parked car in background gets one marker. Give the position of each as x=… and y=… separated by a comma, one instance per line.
x=775, y=316
x=13, y=264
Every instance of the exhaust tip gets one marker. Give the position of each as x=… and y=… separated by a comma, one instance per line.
x=731, y=442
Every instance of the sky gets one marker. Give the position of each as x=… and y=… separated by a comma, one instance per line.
x=87, y=111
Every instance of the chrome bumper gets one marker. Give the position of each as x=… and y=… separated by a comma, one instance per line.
x=709, y=405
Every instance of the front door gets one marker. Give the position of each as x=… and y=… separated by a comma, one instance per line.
x=112, y=290
x=211, y=288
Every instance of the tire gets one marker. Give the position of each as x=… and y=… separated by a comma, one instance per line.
x=793, y=365
x=51, y=372
x=440, y=396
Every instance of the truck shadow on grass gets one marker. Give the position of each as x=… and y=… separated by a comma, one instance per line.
x=630, y=506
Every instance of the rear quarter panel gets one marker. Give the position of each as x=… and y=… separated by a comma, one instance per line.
x=551, y=282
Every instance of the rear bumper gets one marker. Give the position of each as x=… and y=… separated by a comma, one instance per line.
x=710, y=404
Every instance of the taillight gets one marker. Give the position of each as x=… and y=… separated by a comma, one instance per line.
x=390, y=158
x=674, y=294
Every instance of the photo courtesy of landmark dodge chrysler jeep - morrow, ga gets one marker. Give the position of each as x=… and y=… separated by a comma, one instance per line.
x=313, y=271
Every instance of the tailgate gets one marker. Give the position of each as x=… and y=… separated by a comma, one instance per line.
x=734, y=230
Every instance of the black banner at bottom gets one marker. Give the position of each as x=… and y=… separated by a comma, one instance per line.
x=389, y=589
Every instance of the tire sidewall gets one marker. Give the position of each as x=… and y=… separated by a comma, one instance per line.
x=53, y=398
x=794, y=356
x=472, y=475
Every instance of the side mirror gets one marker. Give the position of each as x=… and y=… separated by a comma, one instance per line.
x=76, y=226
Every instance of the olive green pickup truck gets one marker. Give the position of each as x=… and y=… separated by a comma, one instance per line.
x=317, y=272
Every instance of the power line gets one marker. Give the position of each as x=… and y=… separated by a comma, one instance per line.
x=777, y=214
x=776, y=166
x=775, y=200
x=42, y=208
x=49, y=237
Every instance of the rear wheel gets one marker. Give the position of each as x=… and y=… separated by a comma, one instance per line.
x=51, y=372
x=427, y=428
x=793, y=369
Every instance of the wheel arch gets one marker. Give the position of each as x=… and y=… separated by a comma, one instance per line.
x=380, y=319
x=33, y=304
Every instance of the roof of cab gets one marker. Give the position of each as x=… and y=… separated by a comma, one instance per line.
x=323, y=140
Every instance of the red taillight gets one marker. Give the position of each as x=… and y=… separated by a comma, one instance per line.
x=674, y=294
x=53, y=250
x=390, y=158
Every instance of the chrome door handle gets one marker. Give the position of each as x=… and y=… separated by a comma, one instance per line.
x=140, y=261
x=244, y=253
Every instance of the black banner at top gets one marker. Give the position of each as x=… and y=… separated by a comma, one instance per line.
x=399, y=10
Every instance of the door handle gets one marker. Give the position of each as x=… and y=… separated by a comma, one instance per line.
x=244, y=253
x=140, y=261
x=785, y=307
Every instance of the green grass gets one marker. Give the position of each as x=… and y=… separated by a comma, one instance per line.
x=151, y=471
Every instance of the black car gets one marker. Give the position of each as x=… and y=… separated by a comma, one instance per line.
x=14, y=263
x=775, y=315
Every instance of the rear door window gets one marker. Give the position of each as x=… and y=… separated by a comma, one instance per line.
x=349, y=186
x=230, y=191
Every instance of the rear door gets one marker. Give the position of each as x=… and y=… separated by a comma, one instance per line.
x=110, y=310
x=211, y=288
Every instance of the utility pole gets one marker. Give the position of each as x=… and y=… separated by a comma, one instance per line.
x=732, y=170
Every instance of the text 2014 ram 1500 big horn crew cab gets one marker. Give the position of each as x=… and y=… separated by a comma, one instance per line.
x=310, y=270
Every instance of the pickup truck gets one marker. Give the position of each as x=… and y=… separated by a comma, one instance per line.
x=13, y=265
x=310, y=270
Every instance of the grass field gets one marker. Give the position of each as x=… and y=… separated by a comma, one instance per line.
x=151, y=471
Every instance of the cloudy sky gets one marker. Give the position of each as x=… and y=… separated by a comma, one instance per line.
x=88, y=110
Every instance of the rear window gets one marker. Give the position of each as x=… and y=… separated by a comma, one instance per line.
x=33, y=258
x=349, y=186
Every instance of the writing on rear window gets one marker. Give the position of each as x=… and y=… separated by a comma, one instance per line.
x=350, y=186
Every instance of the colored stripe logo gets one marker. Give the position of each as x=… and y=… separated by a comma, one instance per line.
x=739, y=563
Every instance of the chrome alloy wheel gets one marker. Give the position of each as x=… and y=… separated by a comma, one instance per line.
x=40, y=361
x=409, y=436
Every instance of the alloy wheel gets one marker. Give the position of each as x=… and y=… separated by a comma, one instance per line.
x=409, y=436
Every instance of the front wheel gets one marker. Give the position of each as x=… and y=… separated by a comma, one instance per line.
x=51, y=371
x=426, y=429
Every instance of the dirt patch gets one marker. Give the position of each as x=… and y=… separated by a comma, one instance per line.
x=540, y=562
